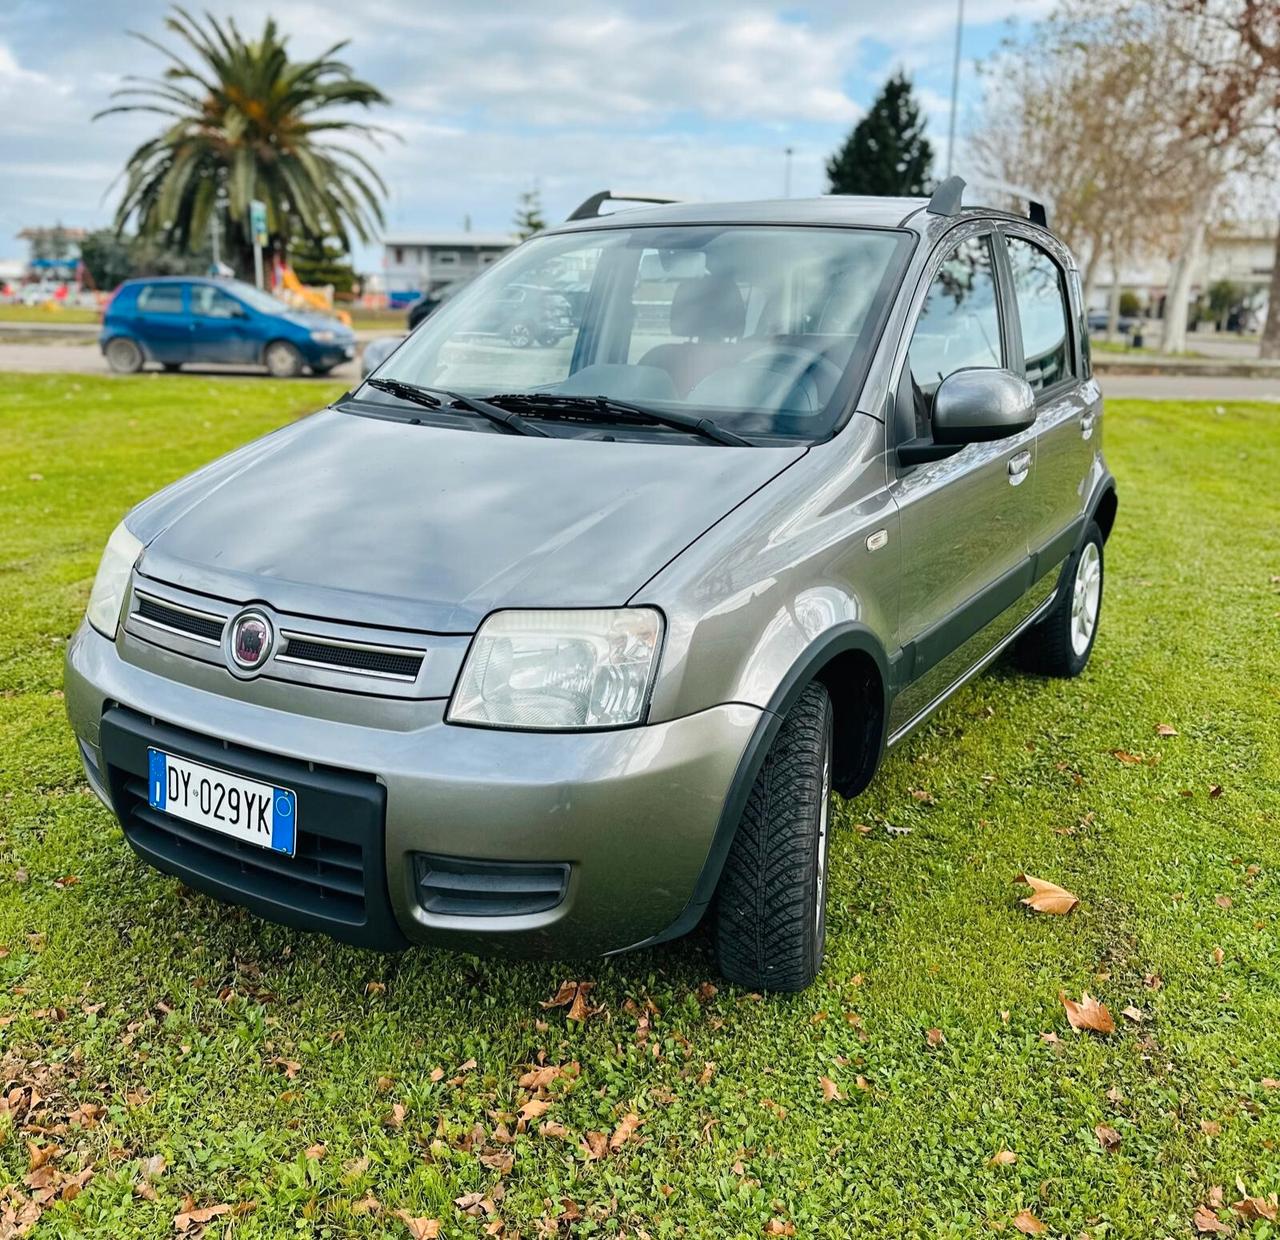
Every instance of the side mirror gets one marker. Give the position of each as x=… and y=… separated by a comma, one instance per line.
x=975, y=406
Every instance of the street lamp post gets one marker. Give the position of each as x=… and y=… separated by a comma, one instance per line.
x=955, y=88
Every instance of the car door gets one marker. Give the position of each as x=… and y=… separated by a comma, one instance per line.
x=163, y=325
x=1067, y=403
x=221, y=327
x=964, y=519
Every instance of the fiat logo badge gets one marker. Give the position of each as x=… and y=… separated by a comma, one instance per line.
x=251, y=640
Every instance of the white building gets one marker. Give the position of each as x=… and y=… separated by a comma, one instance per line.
x=418, y=263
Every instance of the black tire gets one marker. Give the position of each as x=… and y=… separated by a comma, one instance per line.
x=320, y=371
x=1056, y=645
x=282, y=360
x=124, y=356
x=770, y=912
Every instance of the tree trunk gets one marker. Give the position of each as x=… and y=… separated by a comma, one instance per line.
x=1113, y=300
x=1174, y=338
x=1270, y=346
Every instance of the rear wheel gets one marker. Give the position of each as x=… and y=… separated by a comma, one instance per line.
x=282, y=360
x=770, y=912
x=124, y=356
x=1060, y=644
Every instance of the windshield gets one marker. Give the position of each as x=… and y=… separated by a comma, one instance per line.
x=264, y=303
x=765, y=330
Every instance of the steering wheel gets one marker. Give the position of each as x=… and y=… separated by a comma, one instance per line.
x=829, y=374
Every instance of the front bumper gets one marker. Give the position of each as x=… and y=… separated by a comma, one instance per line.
x=630, y=815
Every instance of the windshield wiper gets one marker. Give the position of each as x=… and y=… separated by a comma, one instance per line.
x=442, y=398
x=607, y=409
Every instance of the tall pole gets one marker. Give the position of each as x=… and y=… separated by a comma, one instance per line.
x=955, y=89
x=786, y=172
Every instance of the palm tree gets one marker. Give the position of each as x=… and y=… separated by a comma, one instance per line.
x=247, y=122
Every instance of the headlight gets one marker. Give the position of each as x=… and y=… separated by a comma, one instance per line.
x=559, y=670
x=322, y=335
x=107, y=596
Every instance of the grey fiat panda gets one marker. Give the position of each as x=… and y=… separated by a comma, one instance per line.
x=562, y=646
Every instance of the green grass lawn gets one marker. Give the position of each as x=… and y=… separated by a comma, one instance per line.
x=48, y=314
x=191, y=1056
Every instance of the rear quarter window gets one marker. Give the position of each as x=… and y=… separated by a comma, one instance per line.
x=160, y=299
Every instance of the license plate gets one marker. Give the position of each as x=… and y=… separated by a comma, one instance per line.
x=244, y=809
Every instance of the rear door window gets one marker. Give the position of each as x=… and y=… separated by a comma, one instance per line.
x=160, y=299
x=1040, y=289
x=213, y=303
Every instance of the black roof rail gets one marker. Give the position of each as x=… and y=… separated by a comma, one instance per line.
x=947, y=197
x=590, y=208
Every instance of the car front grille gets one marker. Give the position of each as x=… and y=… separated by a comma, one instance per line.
x=200, y=624
x=351, y=656
x=335, y=881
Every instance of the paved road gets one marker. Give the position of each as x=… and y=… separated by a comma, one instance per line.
x=1189, y=387
x=86, y=359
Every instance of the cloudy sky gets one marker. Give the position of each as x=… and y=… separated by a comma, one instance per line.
x=698, y=98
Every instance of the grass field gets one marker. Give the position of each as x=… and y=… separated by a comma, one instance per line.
x=48, y=314
x=186, y=1056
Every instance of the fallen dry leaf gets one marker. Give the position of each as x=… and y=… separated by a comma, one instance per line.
x=1088, y=1014
x=1137, y=1015
x=776, y=1227
x=1047, y=897
x=1215, y=791
x=1003, y=1158
x=934, y=1037
x=1254, y=1208
x=1028, y=1224
x=1164, y=729
x=1207, y=1222
x=1050, y=1039
x=1210, y=1127
x=830, y=1090
x=550, y=1128
x=1218, y=955
x=624, y=1131
x=595, y=1145
x=186, y=1219
x=316, y=1151
x=532, y=1109
x=419, y=1228
x=1108, y=1137
x=1270, y=1082
x=1129, y=759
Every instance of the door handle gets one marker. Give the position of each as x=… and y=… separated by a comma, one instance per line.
x=1087, y=420
x=1019, y=467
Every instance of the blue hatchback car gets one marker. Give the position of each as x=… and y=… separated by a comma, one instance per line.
x=177, y=319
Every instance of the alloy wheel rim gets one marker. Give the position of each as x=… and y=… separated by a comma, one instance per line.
x=1086, y=596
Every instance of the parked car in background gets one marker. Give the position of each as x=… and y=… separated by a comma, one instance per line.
x=174, y=320
x=376, y=352
x=390, y=674
x=1100, y=319
x=431, y=302
x=523, y=315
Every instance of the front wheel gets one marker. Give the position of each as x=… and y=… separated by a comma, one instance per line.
x=282, y=360
x=520, y=335
x=124, y=356
x=770, y=912
x=1060, y=644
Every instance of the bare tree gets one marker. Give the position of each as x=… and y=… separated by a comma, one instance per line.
x=1232, y=52
x=1103, y=110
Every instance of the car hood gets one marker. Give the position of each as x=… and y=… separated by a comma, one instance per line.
x=316, y=322
x=431, y=528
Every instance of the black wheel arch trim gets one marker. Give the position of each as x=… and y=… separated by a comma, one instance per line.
x=844, y=638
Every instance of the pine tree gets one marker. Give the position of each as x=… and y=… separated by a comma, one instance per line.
x=529, y=218
x=887, y=152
